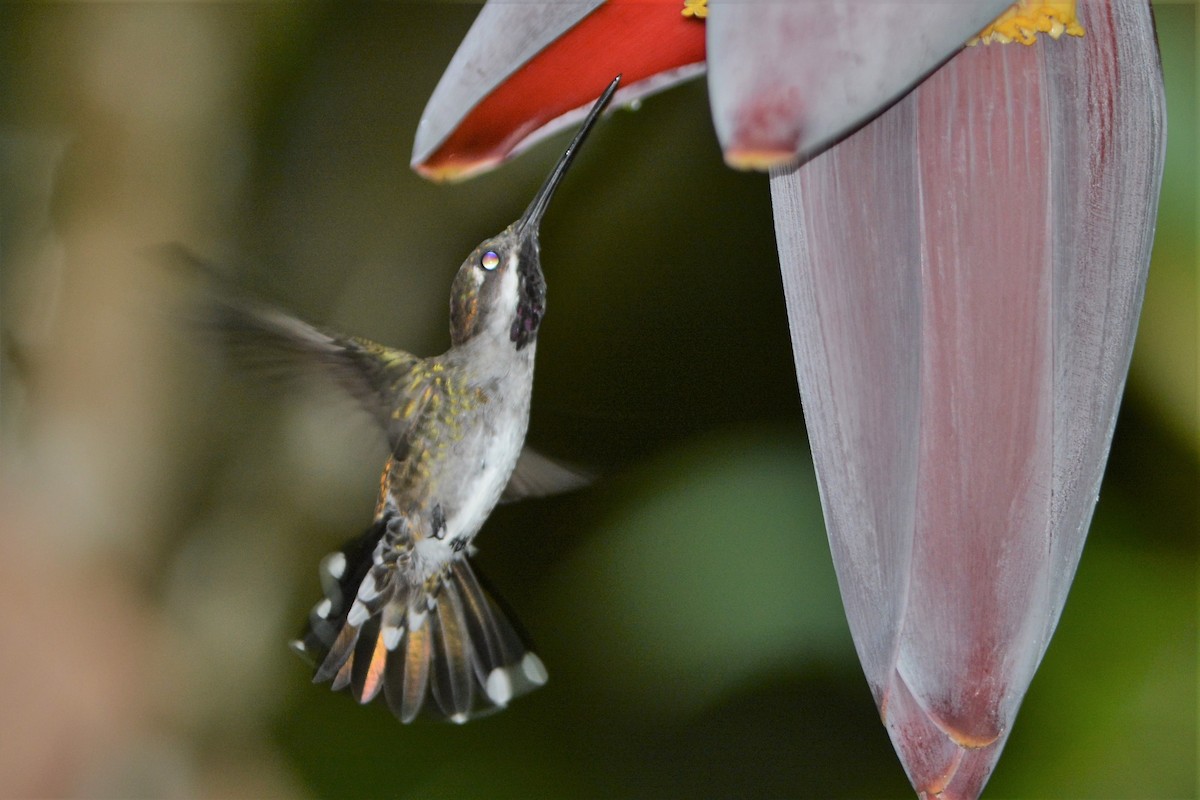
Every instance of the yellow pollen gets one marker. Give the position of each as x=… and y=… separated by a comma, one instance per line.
x=1025, y=19
x=696, y=9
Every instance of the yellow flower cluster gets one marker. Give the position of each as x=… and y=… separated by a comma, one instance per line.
x=1025, y=19
x=697, y=9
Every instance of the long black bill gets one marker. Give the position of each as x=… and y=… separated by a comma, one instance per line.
x=532, y=217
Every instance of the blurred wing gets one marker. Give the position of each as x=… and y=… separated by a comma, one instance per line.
x=269, y=340
x=538, y=476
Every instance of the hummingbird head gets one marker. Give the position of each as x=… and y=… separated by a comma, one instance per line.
x=499, y=291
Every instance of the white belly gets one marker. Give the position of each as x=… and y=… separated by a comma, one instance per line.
x=473, y=475
x=498, y=455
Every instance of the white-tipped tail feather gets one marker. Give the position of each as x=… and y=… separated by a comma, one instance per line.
x=376, y=633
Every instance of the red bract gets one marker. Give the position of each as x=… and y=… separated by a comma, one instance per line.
x=567, y=54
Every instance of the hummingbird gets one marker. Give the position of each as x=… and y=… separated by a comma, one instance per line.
x=403, y=612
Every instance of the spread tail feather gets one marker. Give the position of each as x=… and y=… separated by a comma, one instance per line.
x=375, y=633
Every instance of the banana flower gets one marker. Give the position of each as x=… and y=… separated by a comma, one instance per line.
x=963, y=276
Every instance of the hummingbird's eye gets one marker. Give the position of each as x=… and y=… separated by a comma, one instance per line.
x=490, y=260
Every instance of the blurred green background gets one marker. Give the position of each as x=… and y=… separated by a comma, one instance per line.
x=161, y=520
